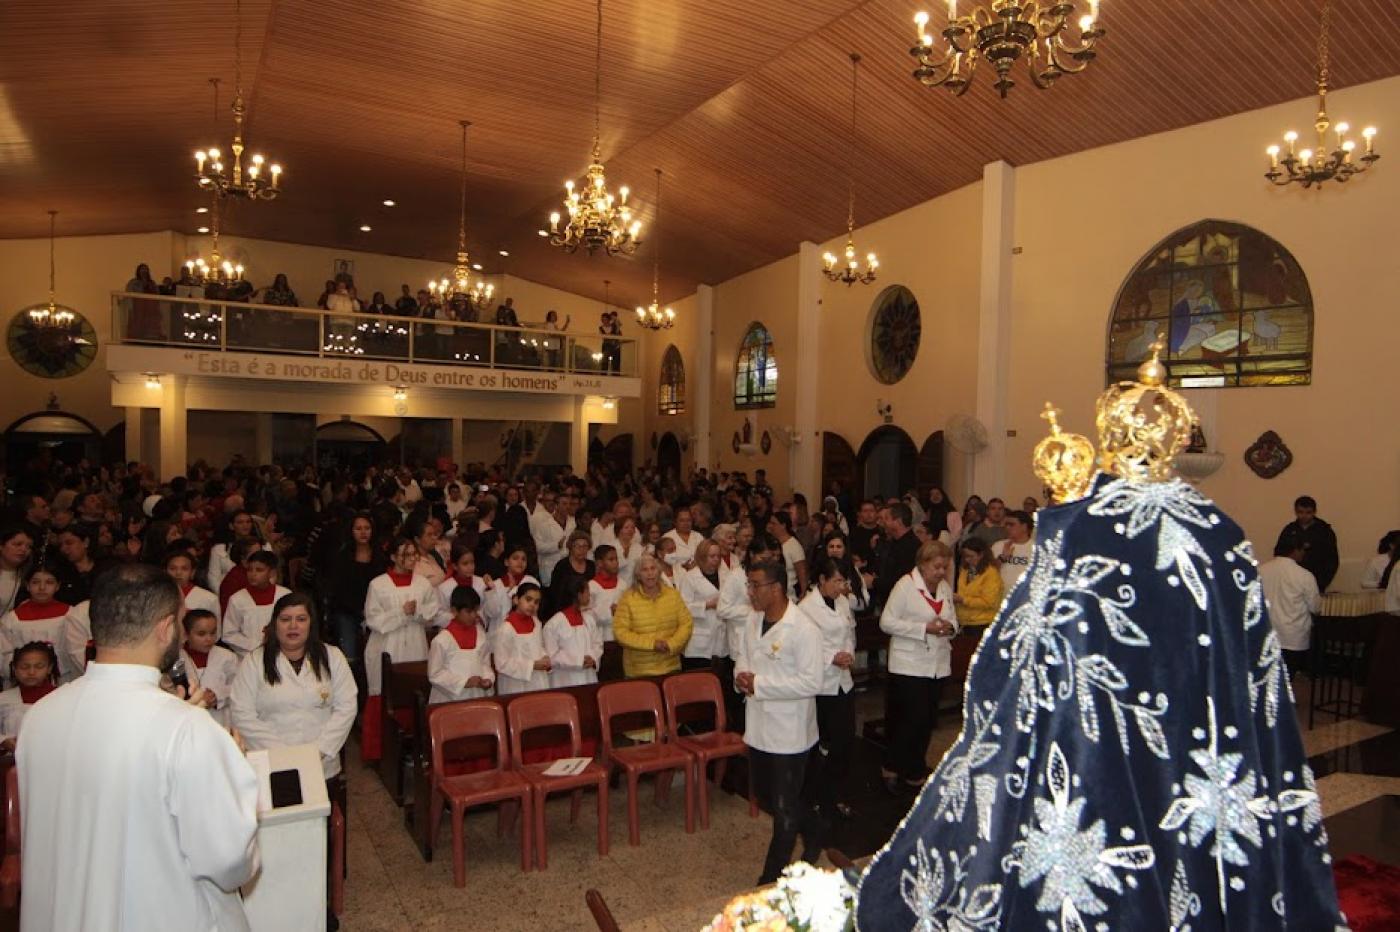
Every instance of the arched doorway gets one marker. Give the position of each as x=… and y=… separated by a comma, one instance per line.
x=668, y=456
x=839, y=466
x=887, y=463
x=930, y=465
x=618, y=455
x=348, y=444
x=42, y=438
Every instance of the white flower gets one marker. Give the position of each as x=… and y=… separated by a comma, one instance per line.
x=818, y=900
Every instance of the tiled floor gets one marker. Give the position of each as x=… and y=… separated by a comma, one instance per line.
x=675, y=881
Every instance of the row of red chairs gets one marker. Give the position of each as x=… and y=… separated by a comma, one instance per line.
x=521, y=788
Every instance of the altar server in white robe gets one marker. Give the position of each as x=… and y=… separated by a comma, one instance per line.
x=779, y=668
x=462, y=566
x=35, y=672
x=74, y=641
x=517, y=645
x=294, y=689
x=605, y=588
x=250, y=608
x=399, y=607
x=139, y=811
x=699, y=587
x=41, y=617
x=180, y=565
x=212, y=664
x=572, y=640
x=500, y=596
x=459, y=659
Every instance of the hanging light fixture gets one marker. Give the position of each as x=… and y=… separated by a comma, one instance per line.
x=236, y=180
x=459, y=286
x=1316, y=166
x=654, y=316
x=52, y=316
x=216, y=268
x=1004, y=32
x=597, y=219
x=851, y=272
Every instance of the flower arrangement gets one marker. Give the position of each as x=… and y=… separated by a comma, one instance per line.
x=805, y=899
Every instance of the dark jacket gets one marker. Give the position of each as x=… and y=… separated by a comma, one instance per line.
x=1319, y=549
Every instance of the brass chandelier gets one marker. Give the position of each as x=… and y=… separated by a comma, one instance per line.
x=1317, y=166
x=654, y=316
x=851, y=272
x=459, y=286
x=235, y=180
x=1003, y=33
x=51, y=316
x=597, y=219
x=216, y=268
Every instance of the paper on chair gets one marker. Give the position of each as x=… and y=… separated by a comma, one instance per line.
x=262, y=766
x=567, y=766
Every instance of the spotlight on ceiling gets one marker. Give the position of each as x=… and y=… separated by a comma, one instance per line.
x=388, y=202
x=201, y=210
x=365, y=228
x=202, y=230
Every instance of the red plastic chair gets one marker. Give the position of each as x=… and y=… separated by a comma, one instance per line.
x=10, y=866
x=498, y=785
x=545, y=710
x=602, y=916
x=702, y=688
x=660, y=757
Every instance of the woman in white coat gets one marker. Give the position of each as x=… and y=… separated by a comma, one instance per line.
x=700, y=587
x=629, y=550
x=399, y=607
x=921, y=622
x=828, y=605
x=294, y=689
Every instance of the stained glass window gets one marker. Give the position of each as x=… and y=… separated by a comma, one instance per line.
x=756, y=370
x=1232, y=305
x=671, y=392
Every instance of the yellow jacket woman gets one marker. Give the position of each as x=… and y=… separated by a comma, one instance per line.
x=979, y=585
x=651, y=623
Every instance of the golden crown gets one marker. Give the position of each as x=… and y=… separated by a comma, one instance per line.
x=1064, y=462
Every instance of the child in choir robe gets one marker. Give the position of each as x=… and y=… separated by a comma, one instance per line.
x=400, y=606
x=179, y=563
x=459, y=659
x=463, y=573
x=213, y=665
x=237, y=577
x=250, y=608
x=499, y=598
x=605, y=588
x=572, y=639
x=74, y=643
x=35, y=673
x=517, y=645
x=38, y=618
x=665, y=551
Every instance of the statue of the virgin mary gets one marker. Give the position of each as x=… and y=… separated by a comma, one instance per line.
x=1129, y=758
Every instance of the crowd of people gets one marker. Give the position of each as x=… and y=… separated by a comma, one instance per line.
x=294, y=583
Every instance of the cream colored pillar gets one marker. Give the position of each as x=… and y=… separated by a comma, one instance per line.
x=578, y=437
x=987, y=475
x=804, y=461
x=174, y=439
x=133, y=435
x=703, y=365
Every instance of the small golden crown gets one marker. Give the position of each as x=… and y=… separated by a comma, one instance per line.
x=1142, y=425
x=1063, y=461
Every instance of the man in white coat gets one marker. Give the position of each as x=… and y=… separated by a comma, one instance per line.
x=779, y=669
x=139, y=811
x=1293, y=599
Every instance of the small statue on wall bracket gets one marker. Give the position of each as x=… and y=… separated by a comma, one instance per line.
x=1268, y=456
x=766, y=444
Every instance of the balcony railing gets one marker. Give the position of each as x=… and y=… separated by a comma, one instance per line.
x=225, y=326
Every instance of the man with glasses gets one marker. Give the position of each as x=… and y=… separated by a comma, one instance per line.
x=778, y=666
x=551, y=527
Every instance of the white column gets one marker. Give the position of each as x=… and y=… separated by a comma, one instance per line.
x=174, y=441
x=987, y=474
x=262, y=438
x=703, y=365
x=804, y=461
x=133, y=435
x=578, y=438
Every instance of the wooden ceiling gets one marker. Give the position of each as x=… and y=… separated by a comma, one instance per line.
x=744, y=106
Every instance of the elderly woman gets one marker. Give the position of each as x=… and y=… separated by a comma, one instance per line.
x=651, y=623
x=921, y=621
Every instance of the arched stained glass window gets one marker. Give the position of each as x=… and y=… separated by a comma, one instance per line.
x=756, y=370
x=671, y=392
x=1232, y=305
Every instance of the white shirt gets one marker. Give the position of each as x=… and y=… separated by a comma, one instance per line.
x=140, y=812
x=73, y=642
x=1291, y=594
x=710, y=636
x=1374, y=570
x=300, y=709
x=601, y=602
x=734, y=608
x=567, y=645
x=1014, y=560
x=219, y=565
x=495, y=606
x=403, y=637
x=550, y=541
x=685, y=548
x=792, y=555
x=627, y=561
x=245, y=619
x=838, y=630
x=450, y=666
x=515, y=655
x=217, y=677
x=781, y=715
x=913, y=651
x=12, y=712
x=15, y=632
x=604, y=535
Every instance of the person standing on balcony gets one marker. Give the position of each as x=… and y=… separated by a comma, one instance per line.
x=406, y=306
x=554, y=345
x=143, y=316
x=279, y=293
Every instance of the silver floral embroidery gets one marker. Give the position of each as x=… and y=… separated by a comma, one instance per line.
x=1177, y=547
x=1145, y=502
x=1069, y=861
x=939, y=898
x=1271, y=680
x=1183, y=904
